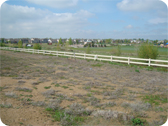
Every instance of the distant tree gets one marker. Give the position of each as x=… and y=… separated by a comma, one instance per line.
x=77, y=41
x=2, y=40
x=70, y=41
x=147, y=50
x=9, y=41
x=88, y=50
x=147, y=41
x=20, y=44
x=58, y=47
x=60, y=42
x=92, y=44
x=67, y=46
x=155, y=42
x=108, y=41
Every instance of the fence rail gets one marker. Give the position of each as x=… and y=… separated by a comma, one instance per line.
x=128, y=60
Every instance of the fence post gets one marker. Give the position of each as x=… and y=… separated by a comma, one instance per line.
x=43, y=52
x=84, y=55
x=57, y=53
x=95, y=57
x=111, y=58
x=74, y=54
x=149, y=61
x=128, y=60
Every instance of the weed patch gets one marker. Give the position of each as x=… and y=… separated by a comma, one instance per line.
x=155, y=99
x=47, y=87
x=138, y=121
x=65, y=87
x=23, y=89
x=97, y=65
x=57, y=85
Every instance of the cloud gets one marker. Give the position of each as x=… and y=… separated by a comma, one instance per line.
x=128, y=26
x=140, y=5
x=23, y=21
x=158, y=20
x=55, y=3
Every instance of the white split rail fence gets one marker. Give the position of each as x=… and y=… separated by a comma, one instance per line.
x=128, y=60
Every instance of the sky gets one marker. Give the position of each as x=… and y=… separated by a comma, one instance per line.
x=90, y=19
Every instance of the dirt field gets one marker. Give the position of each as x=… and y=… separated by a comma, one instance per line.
x=39, y=90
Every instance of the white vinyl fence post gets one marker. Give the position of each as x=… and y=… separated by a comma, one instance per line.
x=84, y=55
x=111, y=58
x=149, y=62
x=74, y=54
x=95, y=57
x=128, y=60
x=57, y=53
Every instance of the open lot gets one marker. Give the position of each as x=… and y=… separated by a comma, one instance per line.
x=49, y=90
x=127, y=51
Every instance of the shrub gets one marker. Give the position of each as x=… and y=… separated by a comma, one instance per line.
x=20, y=44
x=137, y=121
x=6, y=105
x=116, y=51
x=23, y=89
x=10, y=94
x=147, y=50
x=47, y=87
x=49, y=92
x=88, y=50
x=37, y=46
x=2, y=44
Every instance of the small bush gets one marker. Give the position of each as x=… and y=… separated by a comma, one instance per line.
x=38, y=103
x=49, y=92
x=2, y=44
x=20, y=44
x=57, y=85
x=137, y=71
x=10, y=94
x=96, y=65
x=88, y=50
x=147, y=50
x=54, y=106
x=116, y=51
x=37, y=46
x=47, y=87
x=137, y=121
x=6, y=105
x=23, y=89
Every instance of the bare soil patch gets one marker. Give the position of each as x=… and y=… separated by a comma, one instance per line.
x=30, y=83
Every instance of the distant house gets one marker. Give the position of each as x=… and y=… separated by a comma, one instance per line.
x=54, y=40
x=88, y=41
x=35, y=40
x=14, y=41
x=45, y=40
x=25, y=40
x=161, y=45
x=133, y=41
